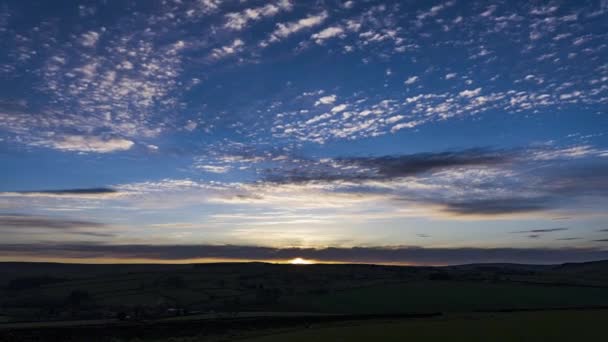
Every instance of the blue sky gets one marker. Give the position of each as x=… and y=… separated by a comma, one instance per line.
x=353, y=131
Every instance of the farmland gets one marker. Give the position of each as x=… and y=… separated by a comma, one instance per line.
x=530, y=326
x=205, y=300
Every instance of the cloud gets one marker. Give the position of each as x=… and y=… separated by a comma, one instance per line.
x=546, y=230
x=348, y=4
x=227, y=50
x=466, y=184
x=96, y=144
x=210, y=5
x=387, y=167
x=497, y=206
x=381, y=255
x=327, y=33
x=74, y=191
x=89, y=39
x=433, y=11
x=409, y=124
x=476, y=183
x=470, y=93
x=339, y=108
x=403, y=165
x=26, y=221
x=84, y=193
x=566, y=153
x=240, y=20
x=214, y=168
x=284, y=30
x=191, y=126
x=325, y=100
x=411, y=80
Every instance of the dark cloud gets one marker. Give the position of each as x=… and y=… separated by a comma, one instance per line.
x=603, y=230
x=384, y=167
x=543, y=184
x=27, y=221
x=82, y=191
x=407, y=165
x=95, y=234
x=412, y=255
x=555, y=185
x=498, y=206
x=569, y=239
x=544, y=230
x=601, y=240
x=575, y=179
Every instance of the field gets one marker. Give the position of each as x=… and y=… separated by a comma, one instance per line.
x=521, y=326
x=447, y=296
x=55, y=302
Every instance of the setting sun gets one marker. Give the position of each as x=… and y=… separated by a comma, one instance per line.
x=300, y=261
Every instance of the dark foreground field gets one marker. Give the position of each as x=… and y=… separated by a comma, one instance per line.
x=267, y=302
x=521, y=326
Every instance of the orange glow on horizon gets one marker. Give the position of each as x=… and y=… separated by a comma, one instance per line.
x=300, y=261
x=118, y=261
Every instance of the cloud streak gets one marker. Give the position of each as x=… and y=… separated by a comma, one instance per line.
x=381, y=255
x=387, y=167
x=81, y=193
x=27, y=221
x=547, y=230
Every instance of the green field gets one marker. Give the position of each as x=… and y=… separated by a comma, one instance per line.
x=528, y=326
x=229, y=301
x=439, y=296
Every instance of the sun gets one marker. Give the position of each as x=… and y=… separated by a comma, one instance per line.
x=300, y=261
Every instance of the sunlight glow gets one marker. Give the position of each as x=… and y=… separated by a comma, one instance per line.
x=300, y=261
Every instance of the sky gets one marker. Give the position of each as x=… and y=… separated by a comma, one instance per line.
x=396, y=132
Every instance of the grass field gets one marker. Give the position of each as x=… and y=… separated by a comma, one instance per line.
x=431, y=296
x=522, y=326
x=229, y=301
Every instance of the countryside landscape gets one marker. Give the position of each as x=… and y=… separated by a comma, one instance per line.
x=303, y=170
x=278, y=302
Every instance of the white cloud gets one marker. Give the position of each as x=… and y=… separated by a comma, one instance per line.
x=410, y=124
x=214, y=168
x=566, y=153
x=284, y=30
x=239, y=20
x=89, y=39
x=228, y=50
x=433, y=11
x=470, y=93
x=489, y=11
x=394, y=119
x=191, y=126
x=339, y=108
x=411, y=80
x=568, y=96
x=82, y=143
x=450, y=76
x=210, y=5
x=329, y=99
x=327, y=33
